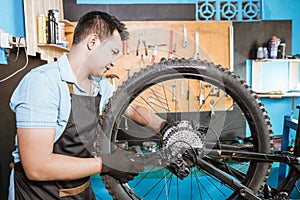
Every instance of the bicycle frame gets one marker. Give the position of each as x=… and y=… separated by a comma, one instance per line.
x=293, y=160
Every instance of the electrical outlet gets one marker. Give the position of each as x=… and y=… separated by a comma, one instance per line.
x=5, y=40
x=19, y=42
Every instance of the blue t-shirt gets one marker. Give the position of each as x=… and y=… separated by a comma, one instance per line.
x=42, y=98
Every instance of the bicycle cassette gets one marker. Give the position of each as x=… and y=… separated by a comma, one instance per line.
x=181, y=144
x=184, y=135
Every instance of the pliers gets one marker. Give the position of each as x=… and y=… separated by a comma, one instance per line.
x=141, y=39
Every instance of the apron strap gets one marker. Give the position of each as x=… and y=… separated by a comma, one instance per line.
x=74, y=191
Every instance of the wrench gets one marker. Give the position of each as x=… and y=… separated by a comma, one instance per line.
x=182, y=88
x=174, y=92
x=185, y=41
x=197, y=53
x=171, y=50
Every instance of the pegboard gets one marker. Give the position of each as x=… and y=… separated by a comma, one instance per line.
x=214, y=45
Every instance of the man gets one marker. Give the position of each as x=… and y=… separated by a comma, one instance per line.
x=57, y=108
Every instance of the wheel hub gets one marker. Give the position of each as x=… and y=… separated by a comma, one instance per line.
x=178, y=141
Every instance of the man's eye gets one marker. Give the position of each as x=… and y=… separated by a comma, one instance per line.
x=115, y=52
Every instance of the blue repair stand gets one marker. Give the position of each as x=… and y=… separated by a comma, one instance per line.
x=289, y=123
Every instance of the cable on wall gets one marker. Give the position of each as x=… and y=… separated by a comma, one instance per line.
x=22, y=68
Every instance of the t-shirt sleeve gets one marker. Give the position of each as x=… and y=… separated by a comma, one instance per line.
x=35, y=102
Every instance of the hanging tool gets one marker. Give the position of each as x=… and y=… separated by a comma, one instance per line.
x=171, y=47
x=125, y=48
x=141, y=39
x=174, y=99
x=212, y=108
x=142, y=61
x=197, y=53
x=185, y=40
x=128, y=72
x=214, y=92
x=182, y=88
x=188, y=92
x=112, y=77
x=201, y=96
x=124, y=37
x=174, y=91
x=231, y=47
x=153, y=56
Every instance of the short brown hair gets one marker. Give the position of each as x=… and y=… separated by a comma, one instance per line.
x=101, y=23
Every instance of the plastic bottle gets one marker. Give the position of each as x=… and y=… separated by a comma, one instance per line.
x=41, y=20
x=52, y=28
x=260, y=53
x=265, y=53
x=56, y=16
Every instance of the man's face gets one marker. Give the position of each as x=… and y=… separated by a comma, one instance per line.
x=103, y=56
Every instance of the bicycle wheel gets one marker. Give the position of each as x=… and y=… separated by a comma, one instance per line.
x=186, y=91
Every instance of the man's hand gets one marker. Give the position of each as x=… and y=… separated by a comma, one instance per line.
x=122, y=165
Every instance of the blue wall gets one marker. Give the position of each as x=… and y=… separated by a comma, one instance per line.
x=12, y=17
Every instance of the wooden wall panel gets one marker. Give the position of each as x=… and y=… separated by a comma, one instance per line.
x=213, y=41
x=214, y=46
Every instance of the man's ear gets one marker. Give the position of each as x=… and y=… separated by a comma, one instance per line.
x=92, y=41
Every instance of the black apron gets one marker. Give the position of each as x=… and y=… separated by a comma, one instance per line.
x=77, y=140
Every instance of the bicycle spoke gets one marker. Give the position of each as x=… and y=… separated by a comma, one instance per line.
x=155, y=185
x=204, y=188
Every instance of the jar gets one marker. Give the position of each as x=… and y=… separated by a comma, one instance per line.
x=260, y=53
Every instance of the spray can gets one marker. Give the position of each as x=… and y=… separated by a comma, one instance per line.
x=273, y=47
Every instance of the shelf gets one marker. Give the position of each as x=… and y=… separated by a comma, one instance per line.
x=276, y=60
x=288, y=94
x=54, y=46
x=69, y=27
x=67, y=23
x=273, y=75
